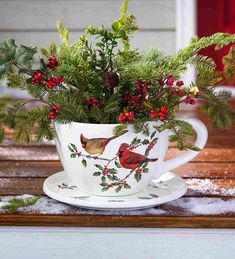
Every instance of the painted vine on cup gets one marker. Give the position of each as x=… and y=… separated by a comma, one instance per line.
x=126, y=158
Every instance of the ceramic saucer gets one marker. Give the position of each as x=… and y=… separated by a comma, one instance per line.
x=167, y=188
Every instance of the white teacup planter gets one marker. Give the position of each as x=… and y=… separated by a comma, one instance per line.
x=102, y=164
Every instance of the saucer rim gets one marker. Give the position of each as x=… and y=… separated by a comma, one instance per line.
x=104, y=205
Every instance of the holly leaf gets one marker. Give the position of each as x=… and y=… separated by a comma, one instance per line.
x=137, y=177
x=105, y=189
x=84, y=162
x=74, y=147
x=127, y=186
x=73, y=155
x=118, y=189
x=112, y=171
x=96, y=173
x=118, y=165
x=99, y=166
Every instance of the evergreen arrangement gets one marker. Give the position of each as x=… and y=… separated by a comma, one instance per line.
x=100, y=79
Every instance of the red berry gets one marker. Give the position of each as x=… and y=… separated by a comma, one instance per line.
x=78, y=154
x=144, y=90
x=179, y=83
x=51, y=115
x=153, y=114
x=189, y=100
x=170, y=80
x=122, y=117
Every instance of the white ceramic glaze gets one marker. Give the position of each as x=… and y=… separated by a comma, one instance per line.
x=128, y=180
x=167, y=188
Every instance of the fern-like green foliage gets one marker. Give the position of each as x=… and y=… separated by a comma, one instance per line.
x=99, y=72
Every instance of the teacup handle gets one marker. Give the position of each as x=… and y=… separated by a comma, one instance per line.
x=202, y=135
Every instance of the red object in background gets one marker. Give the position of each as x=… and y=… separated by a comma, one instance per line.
x=215, y=16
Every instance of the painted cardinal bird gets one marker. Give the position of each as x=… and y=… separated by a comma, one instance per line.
x=95, y=146
x=131, y=160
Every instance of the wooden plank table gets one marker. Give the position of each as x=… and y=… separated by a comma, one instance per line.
x=209, y=201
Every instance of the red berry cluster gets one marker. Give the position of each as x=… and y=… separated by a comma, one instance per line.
x=177, y=91
x=126, y=116
x=189, y=100
x=52, y=62
x=55, y=109
x=94, y=102
x=162, y=113
x=138, y=98
x=105, y=171
x=53, y=81
x=37, y=78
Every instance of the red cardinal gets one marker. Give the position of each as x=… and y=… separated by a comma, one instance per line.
x=131, y=160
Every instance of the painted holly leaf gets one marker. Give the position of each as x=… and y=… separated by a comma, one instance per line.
x=145, y=142
x=99, y=166
x=73, y=155
x=154, y=195
x=127, y=186
x=70, y=148
x=84, y=162
x=135, y=141
x=103, y=179
x=97, y=173
x=145, y=170
x=118, y=165
x=105, y=189
x=153, y=134
x=137, y=177
x=146, y=152
x=145, y=198
x=113, y=171
x=118, y=189
x=74, y=147
x=154, y=141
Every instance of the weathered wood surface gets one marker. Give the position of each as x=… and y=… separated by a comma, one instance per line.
x=209, y=201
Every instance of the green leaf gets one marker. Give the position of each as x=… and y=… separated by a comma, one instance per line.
x=105, y=189
x=97, y=173
x=137, y=177
x=4, y=67
x=145, y=170
x=24, y=55
x=84, y=162
x=118, y=165
x=127, y=186
x=2, y=134
x=115, y=26
x=73, y=155
x=119, y=129
x=112, y=171
x=153, y=134
x=63, y=33
x=118, y=189
x=145, y=142
x=14, y=204
x=74, y=147
x=172, y=138
x=99, y=166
